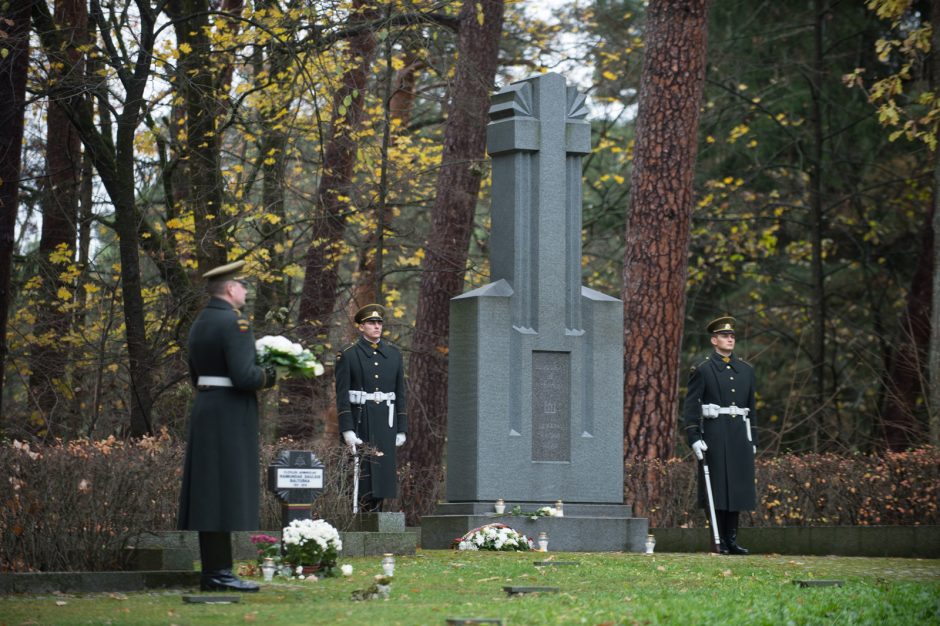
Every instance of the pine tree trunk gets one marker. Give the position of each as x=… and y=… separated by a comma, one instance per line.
x=13, y=69
x=321, y=278
x=658, y=222
x=445, y=261
x=49, y=356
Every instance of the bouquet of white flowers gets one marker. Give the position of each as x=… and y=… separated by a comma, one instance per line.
x=288, y=357
x=311, y=542
x=493, y=537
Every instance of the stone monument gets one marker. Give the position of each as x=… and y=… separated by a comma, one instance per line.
x=535, y=411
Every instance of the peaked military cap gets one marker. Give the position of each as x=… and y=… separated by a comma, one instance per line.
x=721, y=325
x=370, y=312
x=229, y=271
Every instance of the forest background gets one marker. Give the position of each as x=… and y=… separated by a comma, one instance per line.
x=338, y=148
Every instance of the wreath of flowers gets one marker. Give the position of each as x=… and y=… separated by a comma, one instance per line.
x=496, y=537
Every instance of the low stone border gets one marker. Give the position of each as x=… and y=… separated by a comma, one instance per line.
x=888, y=541
x=94, y=582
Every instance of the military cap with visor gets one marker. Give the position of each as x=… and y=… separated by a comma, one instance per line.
x=370, y=312
x=723, y=324
x=229, y=271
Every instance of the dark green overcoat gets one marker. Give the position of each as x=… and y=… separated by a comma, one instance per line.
x=369, y=367
x=220, y=489
x=730, y=452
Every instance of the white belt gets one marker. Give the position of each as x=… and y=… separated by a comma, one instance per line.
x=711, y=411
x=361, y=397
x=214, y=381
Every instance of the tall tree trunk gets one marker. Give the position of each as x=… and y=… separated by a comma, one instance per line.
x=445, y=261
x=321, y=278
x=818, y=312
x=201, y=76
x=115, y=166
x=272, y=294
x=904, y=379
x=50, y=354
x=399, y=108
x=13, y=69
x=658, y=222
x=933, y=383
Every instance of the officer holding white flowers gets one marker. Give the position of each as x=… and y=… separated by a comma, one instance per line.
x=220, y=491
x=719, y=421
x=370, y=405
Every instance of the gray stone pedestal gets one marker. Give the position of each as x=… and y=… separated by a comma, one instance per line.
x=584, y=528
x=372, y=534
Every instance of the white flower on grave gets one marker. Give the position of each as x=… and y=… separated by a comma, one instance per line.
x=548, y=511
x=311, y=542
x=347, y=569
x=299, y=570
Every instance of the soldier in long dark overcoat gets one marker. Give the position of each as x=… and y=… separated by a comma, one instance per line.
x=220, y=491
x=719, y=421
x=371, y=404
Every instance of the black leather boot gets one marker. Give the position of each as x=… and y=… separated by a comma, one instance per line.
x=225, y=580
x=215, y=551
x=731, y=534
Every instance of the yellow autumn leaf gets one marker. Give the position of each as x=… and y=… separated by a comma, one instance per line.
x=185, y=48
x=609, y=75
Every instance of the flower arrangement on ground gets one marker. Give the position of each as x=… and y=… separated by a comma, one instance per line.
x=497, y=537
x=267, y=547
x=290, y=359
x=310, y=542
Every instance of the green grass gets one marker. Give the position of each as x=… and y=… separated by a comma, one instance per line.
x=687, y=589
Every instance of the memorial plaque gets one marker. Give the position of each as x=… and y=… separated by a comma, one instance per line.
x=294, y=478
x=551, y=406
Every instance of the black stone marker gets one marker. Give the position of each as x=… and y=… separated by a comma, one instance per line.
x=211, y=599
x=514, y=591
x=296, y=478
x=819, y=583
x=554, y=563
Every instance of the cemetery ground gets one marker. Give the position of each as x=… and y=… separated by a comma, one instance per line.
x=603, y=588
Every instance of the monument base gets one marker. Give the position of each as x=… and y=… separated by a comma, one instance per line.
x=584, y=527
x=373, y=534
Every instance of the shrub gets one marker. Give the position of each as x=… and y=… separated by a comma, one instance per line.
x=77, y=506
x=894, y=488
x=80, y=505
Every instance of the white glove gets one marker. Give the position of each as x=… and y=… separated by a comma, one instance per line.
x=349, y=436
x=755, y=450
x=400, y=440
x=699, y=449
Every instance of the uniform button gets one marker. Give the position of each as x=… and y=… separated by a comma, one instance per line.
x=375, y=353
x=731, y=378
x=378, y=376
x=732, y=391
x=376, y=363
x=727, y=367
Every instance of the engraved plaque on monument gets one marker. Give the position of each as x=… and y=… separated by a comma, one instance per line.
x=551, y=409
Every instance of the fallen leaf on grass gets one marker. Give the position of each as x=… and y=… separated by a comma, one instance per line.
x=727, y=573
x=661, y=568
x=250, y=617
x=117, y=596
x=60, y=602
x=486, y=580
x=795, y=563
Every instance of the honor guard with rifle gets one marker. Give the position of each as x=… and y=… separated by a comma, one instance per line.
x=371, y=407
x=719, y=421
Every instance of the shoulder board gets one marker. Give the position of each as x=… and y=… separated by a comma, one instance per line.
x=695, y=367
x=339, y=354
x=745, y=362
